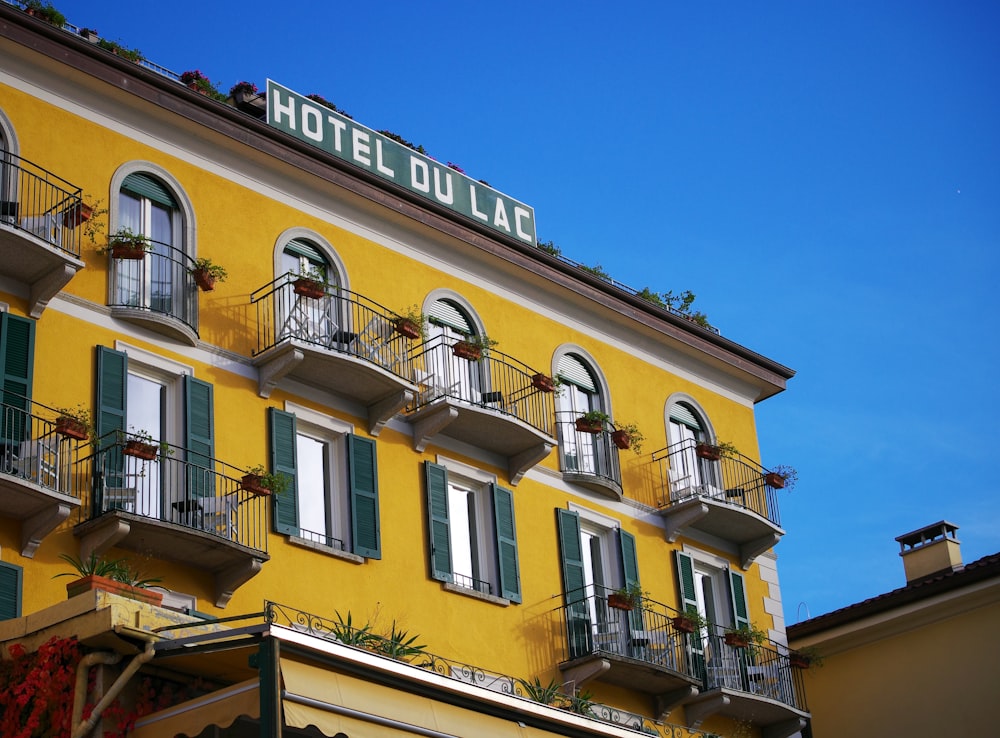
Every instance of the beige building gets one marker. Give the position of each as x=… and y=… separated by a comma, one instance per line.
x=921, y=660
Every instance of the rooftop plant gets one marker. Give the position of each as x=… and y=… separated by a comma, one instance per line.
x=123, y=51
x=246, y=88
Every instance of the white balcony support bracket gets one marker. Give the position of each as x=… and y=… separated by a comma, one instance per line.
x=105, y=534
x=432, y=422
x=271, y=372
x=677, y=518
x=696, y=713
x=577, y=676
x=752, y=549
x=784, y=729
x=232, y=578
x=48, y=286
x=519, y=463
x=667, y=701
x=381, y=411
x=39, y=525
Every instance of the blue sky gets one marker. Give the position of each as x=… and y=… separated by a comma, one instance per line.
x=824, y=177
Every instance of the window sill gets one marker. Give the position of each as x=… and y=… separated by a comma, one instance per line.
x=329, y=550
x=475, y=594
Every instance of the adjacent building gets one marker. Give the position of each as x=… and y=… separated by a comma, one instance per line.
x=402, y=472
x=919, y=660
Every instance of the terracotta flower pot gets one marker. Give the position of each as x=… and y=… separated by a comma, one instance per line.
x=308, y=288
x=94, y=582
x=619, y=602
x=621, y=439
x=140, y=450
x=773, y=479
x=543, y=382
x=127, y=251
x=707, y=451
x=77, y=214
x=589, y=426
x=798, y=661
x=408, y=328
x=684, y=624
x=466, y=350
x=252, y=483
x=204, y=279
x=71, y=428
x=735, y=640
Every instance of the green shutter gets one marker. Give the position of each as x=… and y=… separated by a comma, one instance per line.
x=630, y=572
x=112, y=393
x=11, y=585
x=437, y=521
x=578, y=627
x=503, y=514
x=364, y=496
x=199, y=436
x=689, y=603
x=145, y=186
x=17, y=359
x=281, y=427
x=741, y=615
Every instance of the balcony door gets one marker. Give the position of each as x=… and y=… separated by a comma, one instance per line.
x=319, y=320
x=148, y=208
x=689, y=474
x=451, y=375
x=580, y=451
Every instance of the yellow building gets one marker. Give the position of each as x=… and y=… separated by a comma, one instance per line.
x=920, y=660
x=438, y=542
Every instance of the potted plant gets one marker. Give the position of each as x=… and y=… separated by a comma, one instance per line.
x=242, y=92
x=627, y=435
x=90, y=34
x=45, y=11
x=260, y=482
x=75, y=422
x=77, y=213
x=782, y=477
x=592, y=422
x=412, y=323
x=126, y=244
x=311, y=283
x=114, y=576
x=803, y=658
x=473, y=346
x=626, y=598
x=714, y=452
x=118, y=49
x=206, y=273
x=744, y=636
x=690, y=621
x=544, y=382
x=140, y=444
x=198, y=82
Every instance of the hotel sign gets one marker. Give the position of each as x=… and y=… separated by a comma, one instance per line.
x=325, y=129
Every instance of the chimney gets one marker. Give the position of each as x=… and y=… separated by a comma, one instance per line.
x=931, y=550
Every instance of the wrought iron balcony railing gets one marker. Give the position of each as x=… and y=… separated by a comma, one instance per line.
x=595, y=623
x=36, y=201
x=34, y=447
x=160, y=283
x=690, y=470
x=496, y=382
x=171, y=484
x=586, y=454
x=334, y=319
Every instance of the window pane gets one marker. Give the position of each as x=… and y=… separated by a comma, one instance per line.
x=145, y=413
x=313, y=489
x=462, y=532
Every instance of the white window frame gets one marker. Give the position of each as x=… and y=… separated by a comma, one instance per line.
x=717, y=569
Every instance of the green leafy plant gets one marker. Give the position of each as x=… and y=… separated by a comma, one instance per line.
x=398, y=644
x=206, y=265
x=276, y=482
x=244, y=88
x=198, y=81
x=597, y=270
x=631, y=432
x=547, y=694
x=788, y=476
x=632, y=594
x=415, y=317
x=117, y=569
x=748, y=634
x=128, y=238
x=80, y=414
x=123, y=51
x=806, y=657
x=690, y=621
x=95, y=225
x=345, y=631
x=144, y=437
x=728, y=449
x=680, y=303
x=596, y=416
x=549, y=247
x=45, y=11
x=313, y=274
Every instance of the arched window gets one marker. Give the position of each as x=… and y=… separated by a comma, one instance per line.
x=323, y=317
x=588, y=458
x=454, y=376
x=687, y=427
x=302, y=256
x=160, y=282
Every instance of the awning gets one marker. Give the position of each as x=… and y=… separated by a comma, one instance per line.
x=338, y=703
x=219, y=708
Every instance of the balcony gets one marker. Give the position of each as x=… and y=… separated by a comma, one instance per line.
x=37, y=486
x=588, y=459
x=338, y=341
x=40, y=215
x=755, y=684
x=178, y=506
x=490, y=403
x=156, y=291
x=639, y=649
x=725, y=495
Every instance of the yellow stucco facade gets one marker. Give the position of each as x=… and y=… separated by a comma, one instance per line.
x=241, y=194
